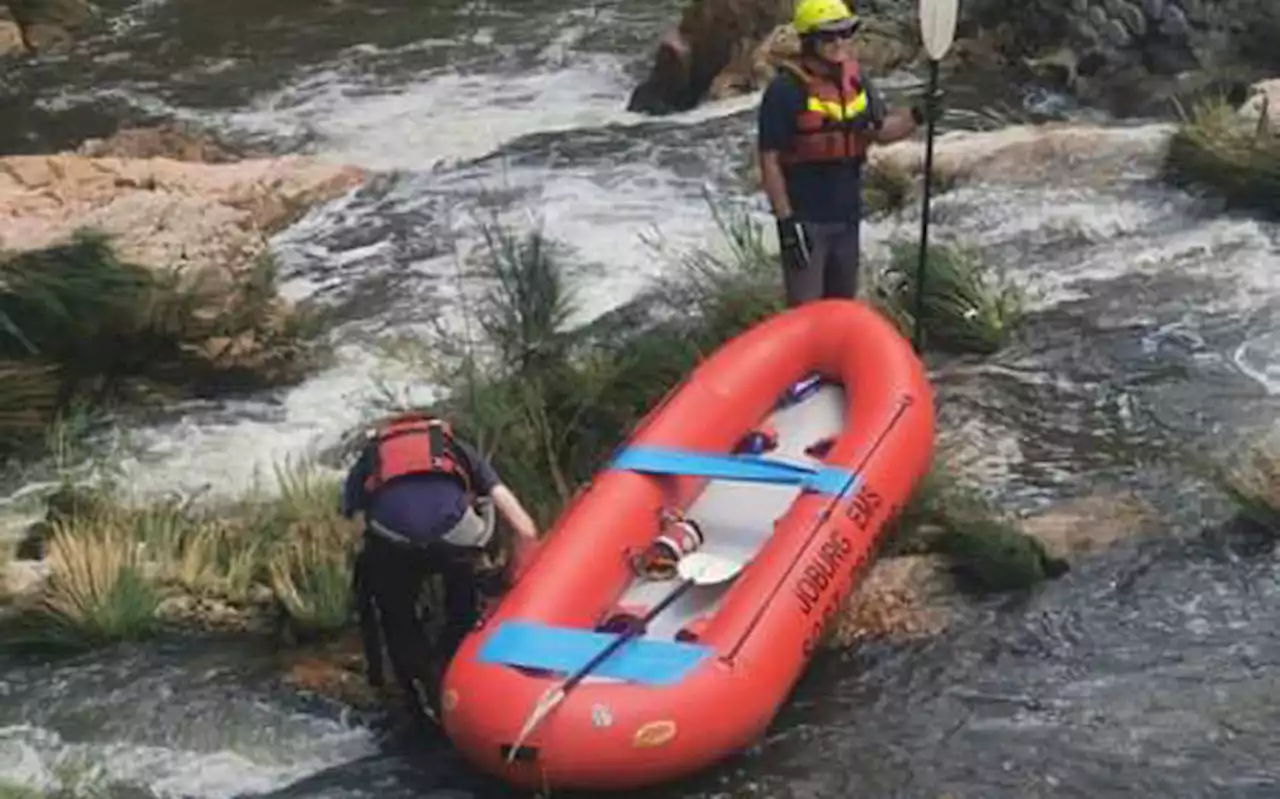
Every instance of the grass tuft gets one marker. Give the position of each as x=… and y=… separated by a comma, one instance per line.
x=80, y=327
x=1216, y=150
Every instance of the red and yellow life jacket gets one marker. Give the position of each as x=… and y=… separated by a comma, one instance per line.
x=833, y=124
x=414, y=444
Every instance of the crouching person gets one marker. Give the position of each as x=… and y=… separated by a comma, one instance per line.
x=417, y=486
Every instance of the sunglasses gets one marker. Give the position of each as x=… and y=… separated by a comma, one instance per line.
x=826, y=37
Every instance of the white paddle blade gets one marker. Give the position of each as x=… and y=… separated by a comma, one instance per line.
x=706, y=569
x=938, y=26
x=550, y=698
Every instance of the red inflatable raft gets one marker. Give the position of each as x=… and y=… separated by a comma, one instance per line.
x=711, y=670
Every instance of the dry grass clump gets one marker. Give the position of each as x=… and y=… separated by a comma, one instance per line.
x=116, y=567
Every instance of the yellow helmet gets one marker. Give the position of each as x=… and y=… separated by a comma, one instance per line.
x=815, y=16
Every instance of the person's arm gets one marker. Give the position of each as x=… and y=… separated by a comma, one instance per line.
x=353, y=493
x=774, y=184
x=486, y=482
x=515, y=514
x=775, y=129
x=890, y=126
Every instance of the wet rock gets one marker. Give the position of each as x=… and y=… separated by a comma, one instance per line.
x=984, y=50
x=67, y=14
x=1114, y=32
x=336, y=670
x=989, y=557
x=32, y=544
x=712, y=35
x=212, y=614
x=1127, y=42
x=881, y=46
x=1090, y=524
x=1061, y=66
x=163, y=141
x=1030, y=152
x=11, y=41
x=47, y=25
x=1173, y=22
x=208, y=223
x=1195, y=10
x=48, y=39
x=1263, y=105
x=885, y=44
x=1133, y=19
x=1085, y=33
x=756, y=65
x=724, y=48
x=899, y=598
x=22, y=578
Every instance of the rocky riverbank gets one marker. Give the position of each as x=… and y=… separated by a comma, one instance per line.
x=168, y=201
x=1126, y=56
x=41, y=26
x=144, y=259
x=280, y=567
x=246, y=591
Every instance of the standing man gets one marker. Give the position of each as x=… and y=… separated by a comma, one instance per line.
x=417, y=486
x=817, y=120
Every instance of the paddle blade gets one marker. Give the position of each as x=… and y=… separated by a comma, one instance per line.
x=553, y=696
x=938, y=26
x=702, y=568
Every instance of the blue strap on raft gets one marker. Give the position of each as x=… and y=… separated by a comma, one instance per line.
x=565, y=649
x=746, y=468
x=646, y=661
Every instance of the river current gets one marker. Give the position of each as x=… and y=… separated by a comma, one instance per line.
x=1148, y=670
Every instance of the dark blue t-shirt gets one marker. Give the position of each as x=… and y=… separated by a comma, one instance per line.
x=818, y=192
x=420, y=506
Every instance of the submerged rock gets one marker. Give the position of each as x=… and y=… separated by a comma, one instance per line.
x=989, y=557
x=1090, y=524
x=899, y=598
x=336, y=670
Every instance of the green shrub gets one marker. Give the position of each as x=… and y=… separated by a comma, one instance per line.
x=98, y=593
x=79, y=328
x=986, y=549
x=113, y=563
x=1252, y=482
x=550, y=428
x=969, y=307
x=1215, y=150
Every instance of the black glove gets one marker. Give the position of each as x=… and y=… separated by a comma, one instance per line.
x=791, y=247
x=928, y=106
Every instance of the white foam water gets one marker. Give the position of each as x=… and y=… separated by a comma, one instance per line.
x=42, y=760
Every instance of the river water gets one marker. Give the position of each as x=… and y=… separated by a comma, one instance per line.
x=1146, y=671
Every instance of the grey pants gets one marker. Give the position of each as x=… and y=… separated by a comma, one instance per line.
x=833, y=263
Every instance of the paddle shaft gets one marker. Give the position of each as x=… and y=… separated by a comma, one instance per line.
x=558, y=695
x=921, y=266
x=617, y=643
